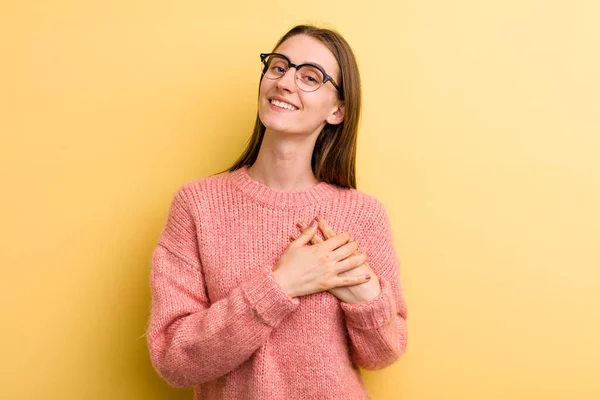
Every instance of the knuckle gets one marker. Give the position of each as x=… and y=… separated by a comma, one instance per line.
x=333, y=269
x=325, y=259
x=322, y=285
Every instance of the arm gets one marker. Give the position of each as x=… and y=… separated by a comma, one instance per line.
x=190, y=340
x=377, y=329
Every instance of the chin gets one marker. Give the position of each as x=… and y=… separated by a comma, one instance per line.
x=278, y=129
x=274, y=123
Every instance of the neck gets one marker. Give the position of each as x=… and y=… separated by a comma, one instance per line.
x=284, y=163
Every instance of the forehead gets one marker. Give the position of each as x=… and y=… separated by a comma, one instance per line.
x=302, y=49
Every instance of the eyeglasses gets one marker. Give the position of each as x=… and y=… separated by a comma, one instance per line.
x=308, y=78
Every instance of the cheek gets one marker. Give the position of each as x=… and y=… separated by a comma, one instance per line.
x=265, y=86
x=321, y=106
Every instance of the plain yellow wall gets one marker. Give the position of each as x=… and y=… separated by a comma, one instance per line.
x=480, y=134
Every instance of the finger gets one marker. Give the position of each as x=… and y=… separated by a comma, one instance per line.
x=328, y=232
x=351, y=280
x=366, y=264
x=306, y=235
x=345, y=251
x=325, y=228
x=316, y=239
x=335, y=242
x=351, y=262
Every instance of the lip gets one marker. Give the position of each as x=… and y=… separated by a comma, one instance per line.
x=278, y=98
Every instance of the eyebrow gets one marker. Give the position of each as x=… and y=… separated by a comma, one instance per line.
x=311, y=63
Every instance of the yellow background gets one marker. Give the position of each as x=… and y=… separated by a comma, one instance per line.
x=481, y=135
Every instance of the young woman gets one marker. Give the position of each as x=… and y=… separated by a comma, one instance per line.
x=277, y=279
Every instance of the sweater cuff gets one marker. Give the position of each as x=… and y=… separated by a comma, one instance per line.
x=267, y=300
x=374, y=314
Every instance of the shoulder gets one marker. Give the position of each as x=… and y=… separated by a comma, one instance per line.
x=363, y=209
x=193, y=193
x=205, y=185
x=360, y=201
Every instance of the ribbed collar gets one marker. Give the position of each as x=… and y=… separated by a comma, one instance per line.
x=279, y=199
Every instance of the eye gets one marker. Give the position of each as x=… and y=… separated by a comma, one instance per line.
x=310, y=76
x=278, y=65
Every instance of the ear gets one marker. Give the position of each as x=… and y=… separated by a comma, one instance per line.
x=337, y=116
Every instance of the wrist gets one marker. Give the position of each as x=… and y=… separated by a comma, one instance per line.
x=281, y=282
x=365, y=293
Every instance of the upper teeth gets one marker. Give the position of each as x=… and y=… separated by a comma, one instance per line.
x=283, y=105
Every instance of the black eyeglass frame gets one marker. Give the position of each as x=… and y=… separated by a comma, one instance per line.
x=326, y=77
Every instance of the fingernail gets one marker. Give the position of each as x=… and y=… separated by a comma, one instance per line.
x=299, y=225
x=313, y=223
x=318, y=218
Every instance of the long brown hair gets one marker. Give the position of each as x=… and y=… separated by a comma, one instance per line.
x=334, y=155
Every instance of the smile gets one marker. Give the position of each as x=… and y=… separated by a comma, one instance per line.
x=281, y=104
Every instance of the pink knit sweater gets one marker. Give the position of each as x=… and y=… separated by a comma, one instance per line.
x=221, y=323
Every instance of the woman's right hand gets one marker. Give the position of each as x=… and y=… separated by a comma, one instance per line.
x=302, y=270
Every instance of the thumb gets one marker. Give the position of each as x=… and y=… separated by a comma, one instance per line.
x=306, y=235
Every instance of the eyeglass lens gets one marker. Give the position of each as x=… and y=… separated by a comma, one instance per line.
x=308, y=78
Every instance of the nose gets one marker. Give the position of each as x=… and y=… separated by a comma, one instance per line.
x=288, y=80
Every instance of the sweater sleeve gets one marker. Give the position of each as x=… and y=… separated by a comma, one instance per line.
x=377, y=329
x=190, y=340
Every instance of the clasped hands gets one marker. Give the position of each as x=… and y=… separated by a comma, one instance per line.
x=332, y=265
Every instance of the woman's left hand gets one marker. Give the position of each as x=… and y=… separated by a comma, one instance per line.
x=357, y=294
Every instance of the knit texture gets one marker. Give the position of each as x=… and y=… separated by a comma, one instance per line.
x=221, y=323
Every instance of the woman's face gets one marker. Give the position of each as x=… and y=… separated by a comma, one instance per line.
x=310, y=110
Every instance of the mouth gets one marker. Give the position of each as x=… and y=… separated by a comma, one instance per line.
x=283, y=105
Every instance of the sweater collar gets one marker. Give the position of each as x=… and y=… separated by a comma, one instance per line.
x=279, y=199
